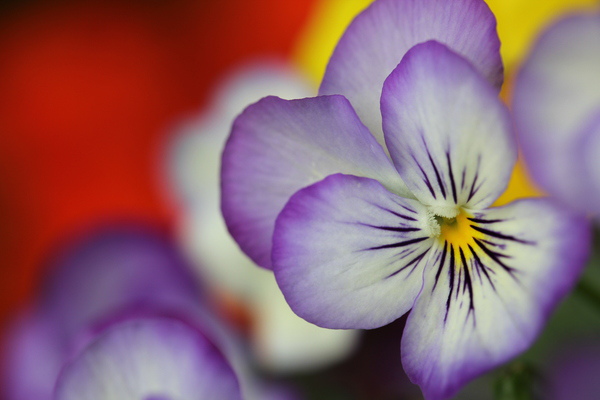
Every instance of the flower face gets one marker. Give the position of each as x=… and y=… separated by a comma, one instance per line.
x=360, y=238
x=557, y=111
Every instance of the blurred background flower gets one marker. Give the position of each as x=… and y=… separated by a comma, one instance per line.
x=90, y=93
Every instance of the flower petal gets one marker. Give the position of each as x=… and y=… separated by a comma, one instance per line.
x=378, y=38
x=485, y=301
x=448, y=133
x=277, y=147
x=116, y=269
x=556, y=99
x=33, y=356
x=149, y=358
x=349, y=254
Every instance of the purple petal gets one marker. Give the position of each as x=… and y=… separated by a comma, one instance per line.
x=277, y=147
x=447, y=131
x=146, y=358
x=556, y=101
x=347, y=253
x=378, y=38
x=111, y=271
x=486, y=299
x=34, y=353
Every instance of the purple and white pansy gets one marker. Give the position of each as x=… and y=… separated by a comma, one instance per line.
x=357, y=238
x=557, y=111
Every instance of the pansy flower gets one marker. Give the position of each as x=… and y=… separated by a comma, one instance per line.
x=557, y=111
x=357, y=238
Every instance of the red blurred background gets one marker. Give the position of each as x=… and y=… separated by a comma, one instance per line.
x=87, y=91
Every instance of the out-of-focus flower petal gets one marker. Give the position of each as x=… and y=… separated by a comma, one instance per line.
x=378, y=38
x=520, y=22
x=587, y=157
x=115, y=270
x=151, y=358
x=277, y=147
x=347, y=253
x=485, y=304
x=34, y=353
x=447, y=131
x=556, y=101
x=286, y=342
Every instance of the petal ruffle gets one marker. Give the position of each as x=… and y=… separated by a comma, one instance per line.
x=277, y=147
x=485, y=301
x=448, y=133
x=149, y=358
x=556, y=98
x=378, y=38
x=347, y=253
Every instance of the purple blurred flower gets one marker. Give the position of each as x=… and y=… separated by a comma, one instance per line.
x=357, y=239
x=99, y=281
x=113, y=272
x=557, y=111
x=149, y=358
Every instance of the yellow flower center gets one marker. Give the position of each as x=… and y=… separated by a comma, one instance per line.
x=458, y=232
